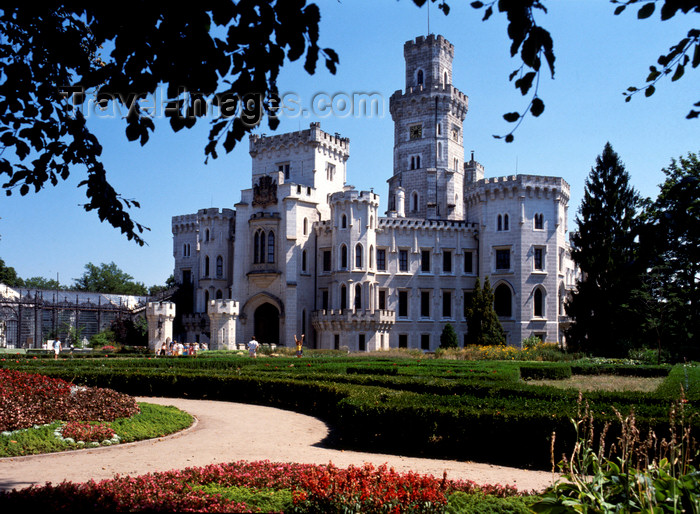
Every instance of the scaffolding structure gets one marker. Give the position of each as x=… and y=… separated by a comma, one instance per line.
x=30, y=317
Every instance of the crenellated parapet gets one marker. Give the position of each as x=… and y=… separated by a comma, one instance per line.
x=312, y=137
x=517, y=186
x=334, y=320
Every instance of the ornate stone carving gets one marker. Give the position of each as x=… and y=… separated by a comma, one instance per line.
x=265, y=191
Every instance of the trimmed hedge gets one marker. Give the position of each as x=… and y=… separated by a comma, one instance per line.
x=554, y=372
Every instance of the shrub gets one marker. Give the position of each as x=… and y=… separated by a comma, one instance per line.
x=551, y=372
x=448, y=338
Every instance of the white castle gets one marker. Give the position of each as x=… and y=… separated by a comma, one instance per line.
x=304, y=253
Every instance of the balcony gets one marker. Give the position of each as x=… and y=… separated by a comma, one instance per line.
x=353, y=319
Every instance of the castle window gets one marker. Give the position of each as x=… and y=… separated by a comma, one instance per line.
x=425, y=341
x=206, y=266
x=539, y=221
x=419, y=78
x=499, y=223
x=414, y=201
x=403, y=260
x=371, y=257
x=358, y=256
x=361, y=346
x=330, y=171
x=303, y=261
x=382, y=299
x=206, y=235
x=306, y=226
x=343, y=297
x=446, y=261
x=344, y=221
x=445, y=82
x=219, y=294
x=505, y=222
x=358, y=296
x=538, y=307
x=219, y=266
x=538, y=257
x=186, y=250
x=468, y=262
x=446, y=304
x=425, y=261
x=271, y=247
x=284, y=168
x=343, y=257
x=403, y=340
x=503, y=259
x=381, y=259
x=326, y=260
x=425, y=304
x=502, y=303
x=403, y=304
x=324, y=299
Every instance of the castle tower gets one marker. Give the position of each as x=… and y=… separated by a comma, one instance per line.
x=428, y=135
x=160, y=316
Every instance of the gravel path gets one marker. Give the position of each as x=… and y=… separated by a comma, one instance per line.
x=227, y=432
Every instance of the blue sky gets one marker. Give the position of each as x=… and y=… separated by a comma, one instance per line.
x=599, y=56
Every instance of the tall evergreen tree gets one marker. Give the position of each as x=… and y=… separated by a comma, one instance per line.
x=483, y=325
x=604, y=249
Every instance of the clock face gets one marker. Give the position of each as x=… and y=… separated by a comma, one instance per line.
x=416, y=132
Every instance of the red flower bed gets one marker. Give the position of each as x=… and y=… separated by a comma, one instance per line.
x=28, y=399
x=314, y=489
x=87, y=432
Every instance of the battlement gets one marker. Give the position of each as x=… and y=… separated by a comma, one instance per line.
x=430, y=40
x=214, y=213
x=223, y=307
x=523, y=184
x=352, y=195
x=419, y=223
x=157, y=309
x=312, y=136
x=448, y=90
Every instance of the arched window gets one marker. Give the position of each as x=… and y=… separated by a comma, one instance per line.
x=306, y=226
x=503, y=299
x=445, y=82
x=417, y=161
x=206, y=266
x=505, y=222
x=439, y=151
x=262, y=246
x=358, y=296
x=256, y=247
x=414, y=201
x=358, y=255
x=206, y=299
x=344, y=222
x=206, y=235
x=539, y=221
x=343, y=297
x=219, y=294
x=219, y=267
x=419, y=78
x=343, y=257
x=303, y=260
x=499, y=223
x=371, y=257
x=271, y=246
x=538, y=307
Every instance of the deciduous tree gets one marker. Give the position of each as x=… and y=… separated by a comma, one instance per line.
x=108, y=278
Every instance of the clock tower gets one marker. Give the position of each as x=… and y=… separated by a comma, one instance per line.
x=428, y=136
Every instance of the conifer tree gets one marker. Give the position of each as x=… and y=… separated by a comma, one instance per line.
x=604, y=249
x=448, y=338
x=483, y=325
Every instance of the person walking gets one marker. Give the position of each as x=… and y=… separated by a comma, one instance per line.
x=56, y=348
x=253, y=348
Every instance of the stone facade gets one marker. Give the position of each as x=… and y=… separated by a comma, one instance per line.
x=302, y=252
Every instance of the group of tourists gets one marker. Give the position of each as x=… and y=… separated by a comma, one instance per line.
x=176, y=349
x=253, y=346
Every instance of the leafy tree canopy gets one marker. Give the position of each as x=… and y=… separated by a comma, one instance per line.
x=8, y=275
x=108, y=278
x=52, y=55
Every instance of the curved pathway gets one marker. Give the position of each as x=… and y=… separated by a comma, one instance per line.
x=227, y=432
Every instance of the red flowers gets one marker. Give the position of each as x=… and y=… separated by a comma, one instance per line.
x=28, y=399
x=88, y=432
x=314, y=489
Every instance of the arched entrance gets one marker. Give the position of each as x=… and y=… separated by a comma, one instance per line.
x=267, y=324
